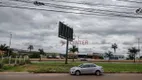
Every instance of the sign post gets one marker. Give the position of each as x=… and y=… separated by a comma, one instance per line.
x=66, y=62
x=65, y=32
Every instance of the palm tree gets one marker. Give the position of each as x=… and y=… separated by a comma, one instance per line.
x=41, y=51
x=4, y=50
x=3, y=47
x=114, y=47
x=109, y=55
x=30, y=47
x=133, y=52
x=73, y=50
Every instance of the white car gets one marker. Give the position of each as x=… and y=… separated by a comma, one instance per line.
x=87, y=68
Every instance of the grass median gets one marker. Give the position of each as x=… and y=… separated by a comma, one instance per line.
x=60, y=67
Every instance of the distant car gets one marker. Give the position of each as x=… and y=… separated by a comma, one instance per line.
x=83, y=59
x=87, y=68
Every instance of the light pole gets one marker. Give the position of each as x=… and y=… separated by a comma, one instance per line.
x=9, y=47
x=78, y=47
x=139, y=47
x=9, y=43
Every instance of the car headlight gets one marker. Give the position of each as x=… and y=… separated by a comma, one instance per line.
x=73, y=69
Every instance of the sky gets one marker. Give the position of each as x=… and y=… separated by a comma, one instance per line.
x=40, y=28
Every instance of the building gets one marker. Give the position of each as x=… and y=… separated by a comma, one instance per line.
x=96, y=56
x=1, y=52
x=116, y=57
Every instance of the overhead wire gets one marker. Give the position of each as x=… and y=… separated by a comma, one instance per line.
x=75, y=8
x=32, y=8
x=131, y=1
x=100, y=14
x=96, y=4
x=91, y=4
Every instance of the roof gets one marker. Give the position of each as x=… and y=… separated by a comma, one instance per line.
x=87, y=63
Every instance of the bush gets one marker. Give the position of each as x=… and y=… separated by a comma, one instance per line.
x=6, y=61
x=20, y=62
x=101, y=57
x=140, y=57
x=1, y=65
x=34, y=55
x=51, y=69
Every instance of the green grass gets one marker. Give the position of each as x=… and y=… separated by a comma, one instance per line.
x=121, y=67
x=60, y=67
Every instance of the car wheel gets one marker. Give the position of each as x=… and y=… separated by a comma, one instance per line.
x=77, y=73
x=98, y=73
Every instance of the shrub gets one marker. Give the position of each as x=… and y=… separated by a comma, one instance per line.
x=101, y=57
x=34, y=55
x=1, y=65
x=20, y=62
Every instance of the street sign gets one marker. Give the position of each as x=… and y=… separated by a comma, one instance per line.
x=65, y=32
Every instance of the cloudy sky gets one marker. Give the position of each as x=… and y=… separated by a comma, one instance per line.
x=40, y=28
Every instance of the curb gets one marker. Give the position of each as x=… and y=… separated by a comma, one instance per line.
x=14, y=72
x=67, y=73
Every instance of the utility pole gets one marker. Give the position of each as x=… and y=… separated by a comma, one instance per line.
x=9, y=44
x=9, y=47
x=139, y=47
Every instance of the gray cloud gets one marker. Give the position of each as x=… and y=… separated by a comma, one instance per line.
x=40, y=28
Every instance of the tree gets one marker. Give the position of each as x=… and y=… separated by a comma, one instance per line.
x=73, y=50
x=114, y=47
x=130, y=56
x=109, y=55
x=30, y=47
x=7, y=52
x=4, y=50
x=41, y=52
x=3, y=47
x=140, y=57
x=54, y=55
x=133, y=52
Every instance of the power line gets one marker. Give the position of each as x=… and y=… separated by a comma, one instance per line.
x=98, y=4
x=103, y=14
x=82, y=9
x=75, y=8
x=132, y=1
x=90, y=4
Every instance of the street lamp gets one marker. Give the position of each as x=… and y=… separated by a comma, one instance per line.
x=139, y=47
x=9, y=43
x=9, y=47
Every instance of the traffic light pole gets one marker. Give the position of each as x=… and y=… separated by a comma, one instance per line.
x=66, y=61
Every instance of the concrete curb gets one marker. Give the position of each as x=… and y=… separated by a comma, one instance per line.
x=14, y=72
x=68, y=73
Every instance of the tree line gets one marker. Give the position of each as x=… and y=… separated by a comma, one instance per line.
x=132, y=52
x=5, y=51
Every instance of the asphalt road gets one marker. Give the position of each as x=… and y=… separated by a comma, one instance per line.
x=27, y=76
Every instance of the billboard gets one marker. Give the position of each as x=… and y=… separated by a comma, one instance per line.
x=65, y=32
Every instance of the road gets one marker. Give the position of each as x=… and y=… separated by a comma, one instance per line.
x=90, y=60
x=29, y=76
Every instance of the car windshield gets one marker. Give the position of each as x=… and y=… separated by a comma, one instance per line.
x=80, y=65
